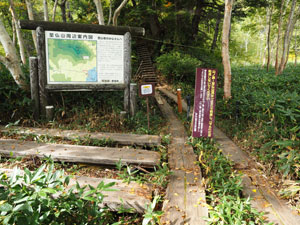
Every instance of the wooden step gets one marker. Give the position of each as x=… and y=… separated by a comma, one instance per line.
x=130, y=196
x=123, y=139
x=78, y=153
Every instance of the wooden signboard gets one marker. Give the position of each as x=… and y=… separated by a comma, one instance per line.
x=81, y=57
x=204, y=102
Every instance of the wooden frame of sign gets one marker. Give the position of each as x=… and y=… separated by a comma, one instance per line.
x=38, y=70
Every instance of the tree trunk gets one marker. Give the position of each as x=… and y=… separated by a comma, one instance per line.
x=117, y=12
x=225, y=48
x=295, y=47
x=287, y=37
x=46, y=14
x=290, y=37
x=196, y=18
x=31, y=17
x=11, y=60
x=62, y=6
x=54, y=10
x=278, y=37
x=110, y=12
x=99, y=12
x=18, y=31
x=69, y=14
x=217, y=27
x=269, y=34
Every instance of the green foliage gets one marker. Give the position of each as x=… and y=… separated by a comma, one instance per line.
x=224, y=201
x=151, y=216
x=176, y=66
x=40, y=197
x=15, y=102
x=265, y=111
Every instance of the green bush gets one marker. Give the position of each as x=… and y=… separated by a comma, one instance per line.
x=265, y=110
x=225, y=202
x=176, y=66
x=40, y=197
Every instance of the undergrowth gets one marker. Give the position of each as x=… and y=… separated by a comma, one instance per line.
x=264, y=116
x=225, y=202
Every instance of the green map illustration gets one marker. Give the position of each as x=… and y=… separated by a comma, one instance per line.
x=72, y=60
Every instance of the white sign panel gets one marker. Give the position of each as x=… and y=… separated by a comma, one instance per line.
x=84, y=58
x=146, y=89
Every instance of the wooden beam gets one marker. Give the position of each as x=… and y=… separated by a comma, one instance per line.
x=129, y=196
x=79, y=154
x=119, y=138
x=85, y=28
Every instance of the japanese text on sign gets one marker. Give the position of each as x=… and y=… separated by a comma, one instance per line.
x=204, y=102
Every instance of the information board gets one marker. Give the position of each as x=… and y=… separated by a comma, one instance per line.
x=84, y=58
x=204, y=102
x=147, y=89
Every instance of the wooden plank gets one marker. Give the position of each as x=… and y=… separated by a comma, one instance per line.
x=34, y=86
x=264, y=199
x=85, y=28
x=230, y=150
x=80, y=154
x=123, y=139
x=185, y=196
x=130, y=196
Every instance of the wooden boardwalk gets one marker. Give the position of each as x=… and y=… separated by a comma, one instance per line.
x=130, y=196
x=79, y=154
x=254, y=184
x=185, y=196
x=122, y=139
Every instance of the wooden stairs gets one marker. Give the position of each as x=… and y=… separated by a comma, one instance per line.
x=146, y=71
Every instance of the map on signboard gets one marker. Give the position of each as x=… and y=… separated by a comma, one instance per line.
x=72, y=60
x=84, y=58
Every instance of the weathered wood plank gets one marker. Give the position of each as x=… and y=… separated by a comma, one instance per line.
x=122, y=139
x=80, y=154
x=185, y=196
x=85, y=28
x=130, y=196
x=264, y=199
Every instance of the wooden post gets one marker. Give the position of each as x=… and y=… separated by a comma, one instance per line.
x=42, y=72
x=133, y=93
x=49, y=112
x=34, y=86
x=148, y=112
x=127, y=70
x=179, y=100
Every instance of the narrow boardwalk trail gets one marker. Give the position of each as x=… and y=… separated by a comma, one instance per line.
x=185, y=195
x=79, y=153
x=256, y=186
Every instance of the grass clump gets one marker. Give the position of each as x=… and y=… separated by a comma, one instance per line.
x=264, y=116
x=225, y=202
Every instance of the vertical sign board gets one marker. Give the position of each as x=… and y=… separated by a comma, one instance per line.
x=204, y=102
x=84, y=58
